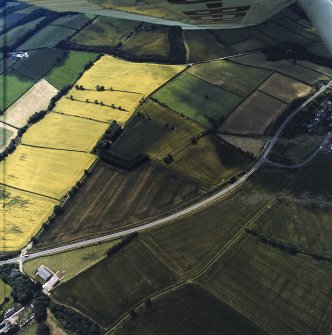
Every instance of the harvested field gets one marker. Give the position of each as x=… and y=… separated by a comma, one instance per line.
x=108, y=283
x=48, y=172
x=248, y=45
x=138, y=136
x=40, y=62
x=120, y=198
x=105, y=31
x=126, y=84
x=184, y=129
x=198, y=99
x=37, y=98
x=280, y=293
x=209, y=162
x=191, y=242
x=80, y=260
x=202, y=45
x=68, y=70
x=13, y=85
x=254, y=116
x=24, y=213
x=285, y=67
x=239, y=79
x=303, y=217
x=187, y=311
x=47, y=37
x=65, y=132
x=148, y=42
x=249, y=144
x=284, y=88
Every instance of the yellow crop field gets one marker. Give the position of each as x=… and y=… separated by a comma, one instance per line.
x=23, y=214
x=125, y=84
x=65, y=132
x=44, y=171
x=79, y=106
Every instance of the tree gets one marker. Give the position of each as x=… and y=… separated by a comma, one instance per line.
x=39, y=311
x=43, y=329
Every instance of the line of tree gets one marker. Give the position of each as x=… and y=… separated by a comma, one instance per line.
x=177, y=50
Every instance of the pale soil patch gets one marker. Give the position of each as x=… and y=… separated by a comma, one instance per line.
x=7, y=133
x=33, y=101
x=284, y=88
x=254, y=115
x=245, y=143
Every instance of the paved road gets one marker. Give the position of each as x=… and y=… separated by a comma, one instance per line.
x=177, y=215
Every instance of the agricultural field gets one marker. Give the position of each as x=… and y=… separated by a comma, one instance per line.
x=247, y=143
x=236, y=78
x=303, y=217
x=209, y=162
x=198, y=99
x=47, y=37
x=124, y=86
x=285, y=66
x=40, y=62
x=138, y=136
x=36, y=99
x=5, y=291
x=284, y=88
x=15, y=33
x=254, y=115
x=184, y=129
x=65, y=132
x=148, y=41
x=105, y=31
x=202, y=45
x=6, y=63
x=147, y=275
x=112, y=198
x=279, y=292
x=14, y=85
x=69, y=69
x=24, y=214
x=187, y=311
x=191, y=242
x=47, y=172
x=76, y=21
x=248, y=45
x=7, y=133
x=80, y=260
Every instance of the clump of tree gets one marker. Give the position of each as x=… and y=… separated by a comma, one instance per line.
x=43, y=329
x=119, y=246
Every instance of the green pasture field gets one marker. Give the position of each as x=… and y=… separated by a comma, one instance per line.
x=80, y=260
x=239, y=79
x=121, y=198
x=279, y=292
x=6, y=63
x=198, y=99
x=67, y=71
x=75, y=22
x=105, y=31
x=187, y=311
x=40, y=62
x=12, y=86
x=209, y=162
x=303, y=216
x=190, y=242
x=49, y=36
x=5, y=135
x=178, y=138
x=5, y=291
x=138, y=136
x=115, y=285
x=13, y=34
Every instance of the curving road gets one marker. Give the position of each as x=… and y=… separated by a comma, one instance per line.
x=24, y=256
